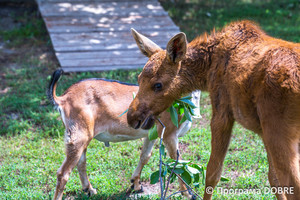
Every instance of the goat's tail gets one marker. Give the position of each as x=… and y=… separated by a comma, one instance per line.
x=52, y=86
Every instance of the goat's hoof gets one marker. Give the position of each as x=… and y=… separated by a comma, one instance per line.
x=132, y=190
x=90, y=191
x=138, y=191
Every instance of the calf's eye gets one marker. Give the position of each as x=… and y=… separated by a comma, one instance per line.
x=157, y=87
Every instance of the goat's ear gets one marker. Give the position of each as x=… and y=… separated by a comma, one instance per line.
x=176, y=47
x=147, y=47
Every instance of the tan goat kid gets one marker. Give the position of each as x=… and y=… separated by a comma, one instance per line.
x=91, y=109
x=252, y=78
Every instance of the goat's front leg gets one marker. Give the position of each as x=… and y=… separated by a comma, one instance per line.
x=144, y=158
x=81, y=166
x=221, y=127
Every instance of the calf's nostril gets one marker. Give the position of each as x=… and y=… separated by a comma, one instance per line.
x=138, y=124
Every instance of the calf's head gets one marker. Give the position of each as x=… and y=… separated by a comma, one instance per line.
x=159, y=84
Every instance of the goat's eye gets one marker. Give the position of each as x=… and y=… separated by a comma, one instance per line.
x=157, y=87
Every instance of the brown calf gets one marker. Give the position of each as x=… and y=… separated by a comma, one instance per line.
x=252, y=78
x=91, y=109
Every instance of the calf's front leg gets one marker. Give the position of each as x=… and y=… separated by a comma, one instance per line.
x=221, y=127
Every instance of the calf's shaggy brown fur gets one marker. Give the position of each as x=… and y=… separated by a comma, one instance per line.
x=252, y=78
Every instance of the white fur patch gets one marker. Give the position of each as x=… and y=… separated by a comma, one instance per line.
x=196, y=100
x=107, y=137
x=62, y=114
x=184, y=128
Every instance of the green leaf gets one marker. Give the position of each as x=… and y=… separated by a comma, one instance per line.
x=164, y=172
x=171, y=165
x=186, y=177
x=192, y=170
x=196, y=185
x=224, y=179
x=124, y=112
x=174, y=116
x=154, y=177
x=181, y=110
x=178, y=166
x=192, y=112
x=176, y=104
x=170, y=161
x=187, y=114
x=203, y=176
x=196, y=178
x=186, y=97
x=187, y=101
x=178, y=171
x=173, y=177
x=200, y=168
x=153, y=134
x=183, y=119
x=184, y=162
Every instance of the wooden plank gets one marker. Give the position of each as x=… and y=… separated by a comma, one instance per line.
x=104, y=24
x=94, y=35
x=88, y=1
x=104, y=47
x=99, y=54
x=104, y=62
x=103, y=9
x=104, y=40
x=107, y=37
x=103, y=68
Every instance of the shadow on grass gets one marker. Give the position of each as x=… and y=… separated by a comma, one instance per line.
x=123, y=195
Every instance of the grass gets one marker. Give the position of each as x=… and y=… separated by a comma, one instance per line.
x=278, y=18
x=31, y=132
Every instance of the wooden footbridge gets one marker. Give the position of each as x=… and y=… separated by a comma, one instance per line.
x=94, y=35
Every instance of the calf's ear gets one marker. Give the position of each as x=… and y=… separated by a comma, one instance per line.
x=176, y=48
x=147, y=47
